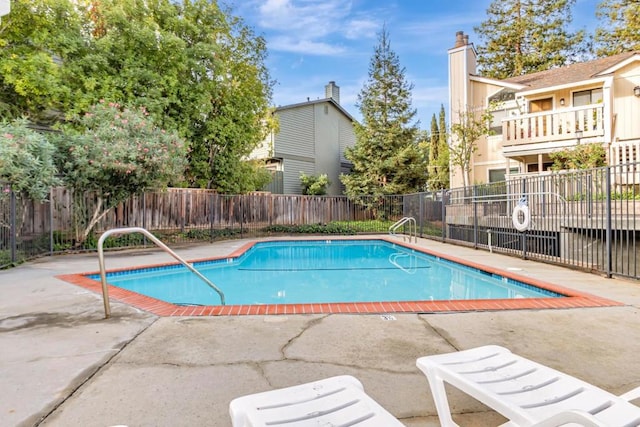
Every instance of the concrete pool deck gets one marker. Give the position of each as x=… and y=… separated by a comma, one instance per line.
x=63, y=364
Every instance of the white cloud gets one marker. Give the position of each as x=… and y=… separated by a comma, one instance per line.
x=312, y=27
x=361, y=28
x=305, y=46
x=305, y=18
x=441, y=31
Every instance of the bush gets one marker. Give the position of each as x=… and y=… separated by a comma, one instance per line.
x=331, y=228
x=26, y=160
x=314, y=185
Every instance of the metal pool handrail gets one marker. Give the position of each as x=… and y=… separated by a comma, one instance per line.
x=412, y=221
x=154, y=239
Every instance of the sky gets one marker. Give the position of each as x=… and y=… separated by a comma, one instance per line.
x=312, y=42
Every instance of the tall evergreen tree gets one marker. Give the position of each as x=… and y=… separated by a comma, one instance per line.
x=386, y=158
x=438, y=153
x=620, y=31
x=524, y=36
x=433, y=149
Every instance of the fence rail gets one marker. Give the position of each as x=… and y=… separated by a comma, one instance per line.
x=583, y=219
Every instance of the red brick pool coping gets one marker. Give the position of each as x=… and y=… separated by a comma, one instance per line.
x=571, y=299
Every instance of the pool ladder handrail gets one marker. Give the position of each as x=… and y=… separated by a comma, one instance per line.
x=154, y=239
x=407, y=219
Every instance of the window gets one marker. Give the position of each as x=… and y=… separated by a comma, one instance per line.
x=533, y=167
x=499, y=115
x=498, y=175
x=503, y=96
x=504, y=100
x=586, y=97
x=496, y=121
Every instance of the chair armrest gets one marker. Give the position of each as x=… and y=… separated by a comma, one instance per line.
x=580, y=417
x=631, y=394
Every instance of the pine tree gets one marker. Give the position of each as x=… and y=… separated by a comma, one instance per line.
x=433, y=153
x=386, y=158
x=525, y=36
x=620, y=31
x=439, y=153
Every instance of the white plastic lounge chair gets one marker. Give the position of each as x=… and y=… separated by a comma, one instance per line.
x=525, y=392
x=336, y=401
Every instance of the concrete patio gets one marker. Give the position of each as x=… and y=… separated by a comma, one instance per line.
x=63, y=364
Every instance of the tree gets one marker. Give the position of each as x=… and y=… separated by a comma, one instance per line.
x=386, y=157
x=314, y=185
x=471, y=125
x=35, y=38
x=26, y=160
x=620, y=31
x=112, y=154
x=438, y=153
x=525, y=36
x=196, y=69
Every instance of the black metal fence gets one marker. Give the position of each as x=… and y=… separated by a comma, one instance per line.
x=584, y=219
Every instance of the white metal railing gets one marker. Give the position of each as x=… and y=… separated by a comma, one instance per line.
x=154, y=239
x=406, y=220
x=554, y=125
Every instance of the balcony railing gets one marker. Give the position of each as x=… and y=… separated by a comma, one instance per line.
x=555, y=125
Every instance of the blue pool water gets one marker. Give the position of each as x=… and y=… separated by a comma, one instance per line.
x=323, y=272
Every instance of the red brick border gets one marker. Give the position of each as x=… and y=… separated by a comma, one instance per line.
x=572, y=299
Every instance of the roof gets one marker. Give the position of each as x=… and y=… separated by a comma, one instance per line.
x=571, y=73
x=318, y=101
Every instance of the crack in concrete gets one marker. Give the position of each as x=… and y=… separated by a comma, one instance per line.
x=309, y=325
x=441, y=333
x=91, y=372
x=263, y=373
x=341, y=365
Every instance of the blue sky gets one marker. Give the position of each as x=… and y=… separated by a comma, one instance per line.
x=312, y=42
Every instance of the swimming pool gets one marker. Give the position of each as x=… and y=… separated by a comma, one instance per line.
x=326, y=271
x=512, y=291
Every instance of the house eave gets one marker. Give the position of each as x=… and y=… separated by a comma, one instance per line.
x=318, y=101
x=496, y=82
x=620, y=65
x=594, y=81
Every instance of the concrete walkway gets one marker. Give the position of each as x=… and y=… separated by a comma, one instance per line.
x=63, y=364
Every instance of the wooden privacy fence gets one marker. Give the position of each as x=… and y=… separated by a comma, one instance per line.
x=179, y=208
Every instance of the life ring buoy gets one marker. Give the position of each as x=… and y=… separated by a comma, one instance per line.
x=521, y=222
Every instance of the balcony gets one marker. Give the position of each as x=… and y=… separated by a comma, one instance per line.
x=552, y=126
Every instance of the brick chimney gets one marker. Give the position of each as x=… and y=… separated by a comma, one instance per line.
x=332, y=91
x=461, y=39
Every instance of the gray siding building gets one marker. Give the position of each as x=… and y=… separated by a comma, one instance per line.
x=312, y=138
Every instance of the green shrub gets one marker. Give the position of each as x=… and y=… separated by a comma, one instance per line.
x=210, y=234
x=331, y=228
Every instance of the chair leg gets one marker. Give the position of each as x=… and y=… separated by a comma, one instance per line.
x=436, y=384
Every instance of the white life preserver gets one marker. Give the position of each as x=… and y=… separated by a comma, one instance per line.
x=526, y=217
